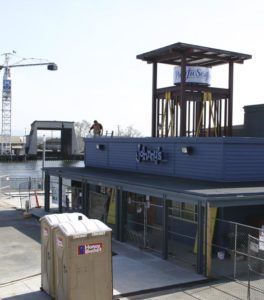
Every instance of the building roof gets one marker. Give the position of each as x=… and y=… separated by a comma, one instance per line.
x=14, y=139
x=195, y=55
x=178, y=189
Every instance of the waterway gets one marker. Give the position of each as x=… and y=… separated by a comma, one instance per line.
x=32, y=168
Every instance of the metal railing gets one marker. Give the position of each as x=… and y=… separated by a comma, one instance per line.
x=255, y=266
x=22, y=187
x=237, y=255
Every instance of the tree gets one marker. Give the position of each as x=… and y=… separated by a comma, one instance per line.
x=129, y=131
x=81, y=130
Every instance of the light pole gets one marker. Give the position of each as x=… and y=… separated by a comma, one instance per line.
x=25, y=144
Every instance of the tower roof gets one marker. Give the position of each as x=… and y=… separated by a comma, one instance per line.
x=195, y=55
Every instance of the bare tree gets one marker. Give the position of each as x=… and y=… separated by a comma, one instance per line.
x=129, y=131
x=81, y=130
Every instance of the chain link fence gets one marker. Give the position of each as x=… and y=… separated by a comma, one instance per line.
x=17, y=184
x=238, y=254
x=22, y=187
x=255, y=265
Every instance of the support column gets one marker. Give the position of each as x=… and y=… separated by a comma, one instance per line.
x=208, y=242
x=230, y=102
x=47, y=192
x=122, y=215
x=165, y=228
x=183, y=98
x=83, y=197
x=154, y=110
x=86, y=199
x=118, y=210
x=60, y=194
x=200, y=238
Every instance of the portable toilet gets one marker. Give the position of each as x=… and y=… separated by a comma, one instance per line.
x=48, y=224
x=83, y=260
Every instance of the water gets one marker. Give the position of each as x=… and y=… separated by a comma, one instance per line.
x=32, y=168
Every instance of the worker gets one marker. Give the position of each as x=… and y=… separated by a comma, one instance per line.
x=97, y=128
x=67, y=201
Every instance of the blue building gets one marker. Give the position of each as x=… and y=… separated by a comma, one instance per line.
x=192, y=190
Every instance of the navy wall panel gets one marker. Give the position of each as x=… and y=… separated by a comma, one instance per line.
x=244, y=161
x=216, y=159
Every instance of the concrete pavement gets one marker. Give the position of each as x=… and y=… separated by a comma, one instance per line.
x=135, y=272
x=19, y=254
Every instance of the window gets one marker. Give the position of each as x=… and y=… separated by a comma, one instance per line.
x=183, y=210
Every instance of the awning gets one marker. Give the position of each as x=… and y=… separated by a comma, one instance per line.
x=177, y=189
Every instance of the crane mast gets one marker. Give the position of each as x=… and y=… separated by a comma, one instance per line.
x=6, y=146
x=6, y=108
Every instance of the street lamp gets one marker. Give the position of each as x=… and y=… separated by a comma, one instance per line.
x=25, y=144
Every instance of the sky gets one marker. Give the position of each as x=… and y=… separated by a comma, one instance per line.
x=95, y=44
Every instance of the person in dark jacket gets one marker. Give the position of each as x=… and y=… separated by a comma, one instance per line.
x=97, y=128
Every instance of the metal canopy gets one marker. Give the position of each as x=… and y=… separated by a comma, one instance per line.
x=178, y=189
x=195, y=55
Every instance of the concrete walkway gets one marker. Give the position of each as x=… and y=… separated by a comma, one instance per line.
x=137, y=274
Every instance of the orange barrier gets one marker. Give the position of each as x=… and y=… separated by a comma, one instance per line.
x=37, y=202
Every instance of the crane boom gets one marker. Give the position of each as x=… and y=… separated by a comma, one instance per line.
x=6, y=99
x=49, y=64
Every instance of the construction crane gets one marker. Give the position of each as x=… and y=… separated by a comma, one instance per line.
x=6, y=148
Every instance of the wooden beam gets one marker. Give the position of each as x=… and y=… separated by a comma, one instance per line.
x=183, y=98
x=230, y=102
x=154, y=88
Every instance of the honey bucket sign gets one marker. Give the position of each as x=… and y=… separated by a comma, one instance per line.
x=194, y=75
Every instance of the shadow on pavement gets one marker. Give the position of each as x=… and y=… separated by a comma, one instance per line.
x=29, y=296
x=15, y=218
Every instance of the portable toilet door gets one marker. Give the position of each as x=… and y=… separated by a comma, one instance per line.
x=48, y=224
x=83, y=261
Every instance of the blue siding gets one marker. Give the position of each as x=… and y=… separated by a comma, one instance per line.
x=216, y=159
x=205, y=162
x=244, y=161
x=94, y=157
x=122, y=156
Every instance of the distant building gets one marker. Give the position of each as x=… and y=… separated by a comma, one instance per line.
x=17, y=145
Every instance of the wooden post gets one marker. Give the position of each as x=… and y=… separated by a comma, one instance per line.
x=182, y=97
x=154, y=110
x=211, y=220
x=230, y=102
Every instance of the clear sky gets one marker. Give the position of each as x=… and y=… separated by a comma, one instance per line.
x=95, y=43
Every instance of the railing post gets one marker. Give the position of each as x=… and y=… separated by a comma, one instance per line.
x=47, y=193
x=165, y=228
x=235, y=251
x=60, y=194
